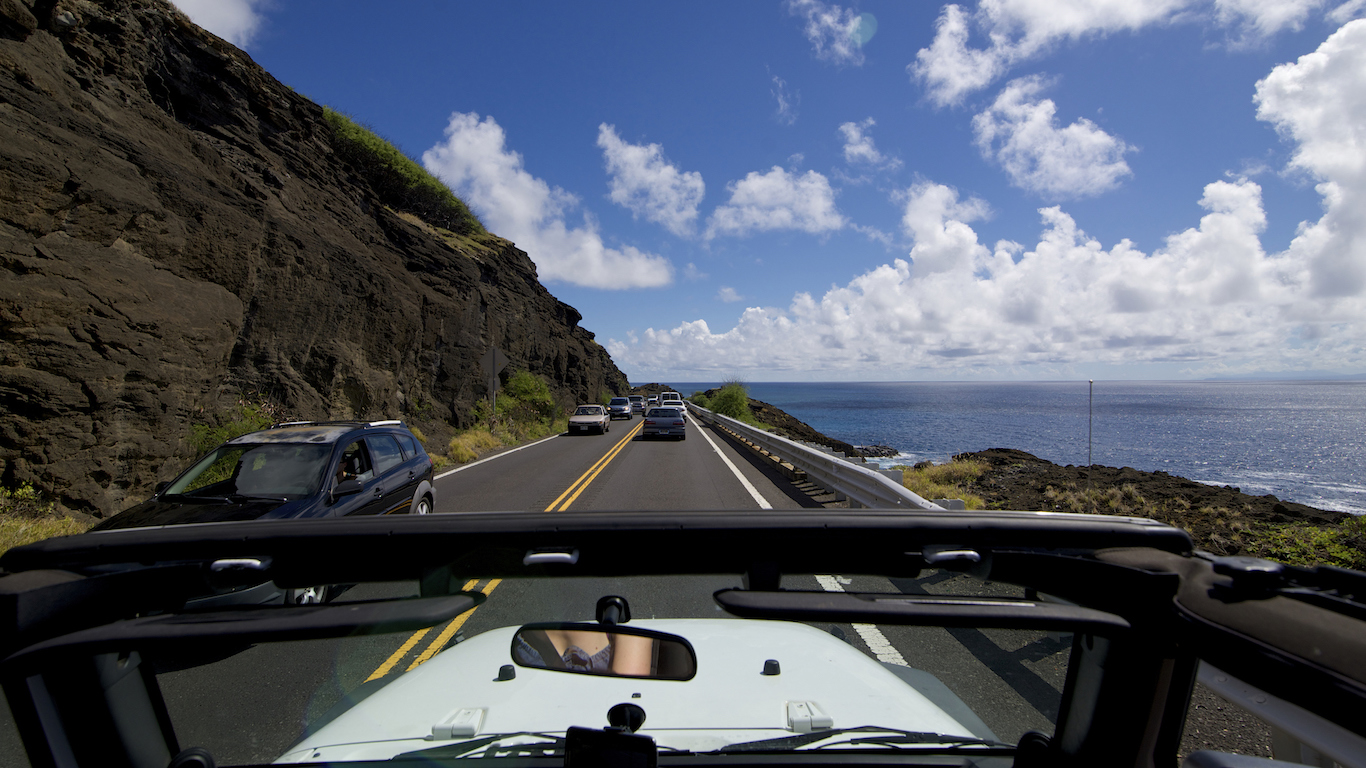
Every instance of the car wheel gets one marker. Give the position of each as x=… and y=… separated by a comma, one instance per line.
x=306, y=595
x=424, y=506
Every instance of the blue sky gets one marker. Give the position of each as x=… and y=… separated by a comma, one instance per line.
x=801, y=190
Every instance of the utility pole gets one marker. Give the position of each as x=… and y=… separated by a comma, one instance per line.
x=1090, y=407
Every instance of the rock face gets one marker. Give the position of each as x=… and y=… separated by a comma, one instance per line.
x=177, y=231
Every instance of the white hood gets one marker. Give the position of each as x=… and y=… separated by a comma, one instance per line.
x=729, y=701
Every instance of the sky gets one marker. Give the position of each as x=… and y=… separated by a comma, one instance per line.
x=799, y=190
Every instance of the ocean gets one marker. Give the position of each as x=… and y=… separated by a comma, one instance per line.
x=1303, y=441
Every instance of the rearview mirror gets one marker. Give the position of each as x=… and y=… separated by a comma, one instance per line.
x=604, y=649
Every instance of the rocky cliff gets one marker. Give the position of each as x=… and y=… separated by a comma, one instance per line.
x=178, y=229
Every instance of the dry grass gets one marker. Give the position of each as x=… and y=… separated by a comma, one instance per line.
x=26, y=518
x=946, y=481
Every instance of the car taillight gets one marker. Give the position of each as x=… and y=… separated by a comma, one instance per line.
x=650, y=422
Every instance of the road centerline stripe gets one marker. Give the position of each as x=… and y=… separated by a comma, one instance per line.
x=450, y=630
x=416, y=638
x=593, y=471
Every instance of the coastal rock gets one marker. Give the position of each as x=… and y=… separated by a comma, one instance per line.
x=1020, y=480
x=178, y=232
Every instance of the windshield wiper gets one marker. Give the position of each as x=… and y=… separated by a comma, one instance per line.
x=461, y=748
x=883, y=737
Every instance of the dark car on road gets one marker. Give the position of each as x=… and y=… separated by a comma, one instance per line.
x=296, y=470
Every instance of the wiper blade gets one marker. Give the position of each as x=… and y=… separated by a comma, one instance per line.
x=884, y=736
x=550, y=742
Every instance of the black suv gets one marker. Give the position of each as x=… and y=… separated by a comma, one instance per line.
x=296, y=470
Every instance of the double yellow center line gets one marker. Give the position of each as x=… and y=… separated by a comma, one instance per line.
x=576, y=488
x=435, y=646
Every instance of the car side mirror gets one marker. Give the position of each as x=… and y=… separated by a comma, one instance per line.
x=347, y=487
x=609, y=650
x=163, y=485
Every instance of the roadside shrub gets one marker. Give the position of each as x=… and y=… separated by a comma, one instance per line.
x=245, y=417
x=700, y=399
x=400, y=182
x=1343, y=545
x=946, y=481
x=733, y=401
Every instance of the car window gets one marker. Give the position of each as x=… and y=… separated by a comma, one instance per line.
x=282, y=470
x=408, y=444
x=386, y=452
x=355, y=463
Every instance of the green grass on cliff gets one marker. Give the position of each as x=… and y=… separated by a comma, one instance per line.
x=526, y=411
x=399, y=181
x=26, y=518
x=1229, y=531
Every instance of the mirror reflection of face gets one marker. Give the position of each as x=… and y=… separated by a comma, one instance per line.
x=596, y=651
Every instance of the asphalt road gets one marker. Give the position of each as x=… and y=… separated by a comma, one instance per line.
x=253, y=705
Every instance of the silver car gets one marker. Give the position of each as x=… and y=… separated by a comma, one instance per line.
x=619, y=408
x=664, y=421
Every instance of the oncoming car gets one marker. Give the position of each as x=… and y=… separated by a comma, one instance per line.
x=296, y=470
x=590, y=418
x=619, y=408
x=722, y=638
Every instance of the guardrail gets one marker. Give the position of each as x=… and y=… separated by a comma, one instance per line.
x=862, y=486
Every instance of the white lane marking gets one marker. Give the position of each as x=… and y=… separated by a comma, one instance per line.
x=491, y=458
x=758, y=499
x=877, y=642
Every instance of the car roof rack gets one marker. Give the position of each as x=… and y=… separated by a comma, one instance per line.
x=339, y=423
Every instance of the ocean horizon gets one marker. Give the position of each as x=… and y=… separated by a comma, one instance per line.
x=1302, y=441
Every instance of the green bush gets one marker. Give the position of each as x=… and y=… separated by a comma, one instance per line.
x=733, y=401
x=526, y=397
x=245, y=417
x=400, y=182
x=700, y=399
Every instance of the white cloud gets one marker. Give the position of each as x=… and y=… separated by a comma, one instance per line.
x=859, y=148
x=644, y=183
x=728, y=295
x=236, y=21
x=1209, y=299
x=1347, y=11
x=832, y=30
x=1259, y=19
x=949, y=68
x=1015, y=31
x=473, y=160
x=787, y=104
x=1319, y=102
x=691, y=272
x=1020, y=132
x=777, y=200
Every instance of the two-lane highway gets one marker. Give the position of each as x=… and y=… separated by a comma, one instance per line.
x=619, y=470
